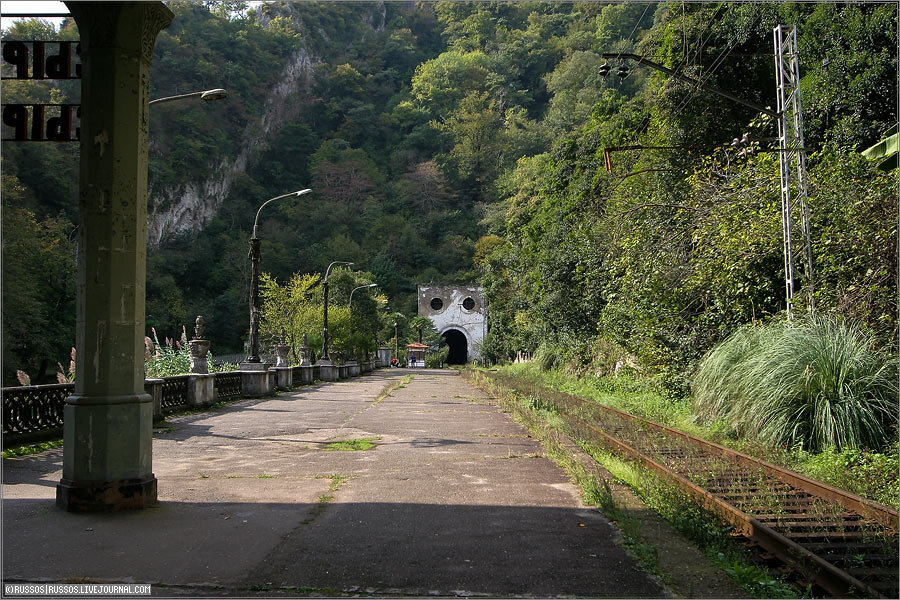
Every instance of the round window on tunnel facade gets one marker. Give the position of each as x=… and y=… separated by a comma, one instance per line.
x=437, y=304
x=468, y=303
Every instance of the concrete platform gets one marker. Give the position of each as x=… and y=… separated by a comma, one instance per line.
x=454, y=499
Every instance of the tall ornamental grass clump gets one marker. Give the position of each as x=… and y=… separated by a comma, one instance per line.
x=816, y=383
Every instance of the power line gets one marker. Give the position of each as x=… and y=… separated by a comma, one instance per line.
x=684, y=61
x=638, y=22
x=703, y=79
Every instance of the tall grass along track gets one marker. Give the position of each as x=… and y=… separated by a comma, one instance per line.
x=836, y=540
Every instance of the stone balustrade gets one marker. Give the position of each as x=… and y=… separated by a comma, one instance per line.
x=35, y=412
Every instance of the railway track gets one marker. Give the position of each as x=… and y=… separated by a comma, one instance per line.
x=844, y=544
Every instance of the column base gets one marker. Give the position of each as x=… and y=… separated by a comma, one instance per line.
x=106, y=496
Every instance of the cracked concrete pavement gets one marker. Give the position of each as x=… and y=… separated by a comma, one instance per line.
x=453, y=499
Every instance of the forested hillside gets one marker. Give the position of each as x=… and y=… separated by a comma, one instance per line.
x=458, y=141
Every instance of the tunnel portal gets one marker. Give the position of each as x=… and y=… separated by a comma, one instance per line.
x=458, y=344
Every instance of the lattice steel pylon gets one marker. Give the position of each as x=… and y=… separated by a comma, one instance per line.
x=792, y=159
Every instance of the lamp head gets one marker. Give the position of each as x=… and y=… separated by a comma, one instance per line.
x=216, y=94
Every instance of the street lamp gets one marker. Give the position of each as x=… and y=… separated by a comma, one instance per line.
x=216, y=94
x=371, y=285
x=350, y=306
x=253, y=356
x=325, y=356
x=396, y=340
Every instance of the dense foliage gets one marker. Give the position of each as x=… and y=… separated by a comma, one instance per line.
x=458, y=141
x=654, y=263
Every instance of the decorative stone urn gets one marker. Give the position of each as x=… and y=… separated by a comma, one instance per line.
x=304, y=353
x=199, y=349
x=281, y=351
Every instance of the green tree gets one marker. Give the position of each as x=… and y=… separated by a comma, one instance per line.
x=439, y=84
x=38, y=290
x=295, y=309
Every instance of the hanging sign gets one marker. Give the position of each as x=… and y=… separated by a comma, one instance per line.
x=41, y=122
x=36, y=60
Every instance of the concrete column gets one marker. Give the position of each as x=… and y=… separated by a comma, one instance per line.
x=258, y=383
x=107, y=457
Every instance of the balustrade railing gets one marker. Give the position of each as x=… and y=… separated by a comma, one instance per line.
x=34, y=408
x=30, y=411
x=228, y=385
x=174, y=392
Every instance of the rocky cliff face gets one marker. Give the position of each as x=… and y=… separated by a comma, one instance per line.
x=190, y=206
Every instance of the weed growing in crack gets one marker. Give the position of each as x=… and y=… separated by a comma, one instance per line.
x=357, y=445
x=336, y=481
x=392, y=387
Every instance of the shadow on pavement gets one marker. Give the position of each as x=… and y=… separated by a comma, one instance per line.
x=402, y=548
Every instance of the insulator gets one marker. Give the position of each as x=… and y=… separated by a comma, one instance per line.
x=735, y=142
x=603, y=71
x=622, y=72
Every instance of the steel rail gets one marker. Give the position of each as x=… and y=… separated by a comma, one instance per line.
x=884, y=515
x=814, y=567
x=832, y=579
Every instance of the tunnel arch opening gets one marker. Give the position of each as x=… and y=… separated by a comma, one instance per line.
x=459, y=347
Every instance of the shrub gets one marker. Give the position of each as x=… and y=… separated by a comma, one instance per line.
x=168, y=360
x=436, y=360
x=546, y=356
x=868, y=474
x=816, y=383
x=174, y=358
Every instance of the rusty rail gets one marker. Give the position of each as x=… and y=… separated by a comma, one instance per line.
x=841, y=542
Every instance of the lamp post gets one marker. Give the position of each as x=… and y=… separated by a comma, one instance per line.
x=325, y=356
x=253, y=356
x=371, y=285
x=350, y=306
x=216, y=94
